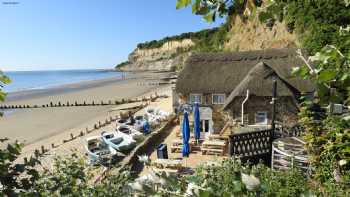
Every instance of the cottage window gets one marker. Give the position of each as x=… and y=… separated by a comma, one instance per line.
x=195, y=98
x=261, y=118
x=218, y=98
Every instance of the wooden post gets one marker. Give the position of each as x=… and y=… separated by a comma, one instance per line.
x=51, y=104
x=93, y=102
x=43, y=149
x=81, y=133
x=59, y=103
x=102, y=103
x=84, y=103
x=76, y=103
x=274, y=98
x=68, y=103
x=52, y=145
x=36, y=153
x=72, y=136
x=25, y=160
x=95, y=126
x=273, y=126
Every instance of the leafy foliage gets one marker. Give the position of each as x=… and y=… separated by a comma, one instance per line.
x=226, y=178
x=3, y=81
x=15, y=178
x=210, y=9
x=205, y=40
x=120, y=65
x=327, y=135
x=73, y=177
x=316, y=22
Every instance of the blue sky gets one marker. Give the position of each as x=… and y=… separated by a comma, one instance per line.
x=76, y=34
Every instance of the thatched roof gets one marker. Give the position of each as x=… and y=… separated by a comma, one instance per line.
x=222, y=72
x=259, y=82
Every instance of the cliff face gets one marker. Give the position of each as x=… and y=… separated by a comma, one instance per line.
x=250, y=34
x=246, y=33
x=165, y=58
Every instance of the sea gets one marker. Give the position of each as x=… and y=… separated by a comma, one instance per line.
x=30, y=80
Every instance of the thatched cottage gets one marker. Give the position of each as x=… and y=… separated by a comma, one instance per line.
x=219, y=82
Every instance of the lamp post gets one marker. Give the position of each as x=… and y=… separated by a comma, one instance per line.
x=273, y=102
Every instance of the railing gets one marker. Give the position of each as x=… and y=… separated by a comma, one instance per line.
x=252, y=146
x=294, y=131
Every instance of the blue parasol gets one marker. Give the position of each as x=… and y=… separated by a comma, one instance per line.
x=185, y=136
x=197, y=132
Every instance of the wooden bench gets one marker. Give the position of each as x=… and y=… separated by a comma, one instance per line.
x=217, y=137
x=216, y=147
x=166, y=170
x=167, y=163
x=209, y=151
x=176, y=145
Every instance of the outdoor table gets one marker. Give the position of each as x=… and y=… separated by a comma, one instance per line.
x=168, y=163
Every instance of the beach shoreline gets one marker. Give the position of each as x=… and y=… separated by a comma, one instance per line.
x=66, y=88
x=36, y=125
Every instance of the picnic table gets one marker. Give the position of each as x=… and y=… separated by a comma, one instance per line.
x=216, y=147
x=176, y=145
x=167, y=165
x=217, y=137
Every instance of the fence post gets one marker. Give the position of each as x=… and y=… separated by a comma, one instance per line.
x=43, y=149
x=36, y=153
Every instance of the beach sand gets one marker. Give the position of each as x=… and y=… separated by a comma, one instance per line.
x=41, y=125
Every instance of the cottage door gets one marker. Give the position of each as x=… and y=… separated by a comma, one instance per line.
x=205, y=128
x=206, y=114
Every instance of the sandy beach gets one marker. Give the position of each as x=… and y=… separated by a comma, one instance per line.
x=38, y=125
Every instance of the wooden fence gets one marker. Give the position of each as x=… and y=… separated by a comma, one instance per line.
x=252, y=146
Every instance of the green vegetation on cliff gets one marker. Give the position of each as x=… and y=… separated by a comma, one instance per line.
x=205, y=40
x=120, y=65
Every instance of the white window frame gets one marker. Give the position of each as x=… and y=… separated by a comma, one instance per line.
x=266, y=118
x=196, y=95
x=217, y=103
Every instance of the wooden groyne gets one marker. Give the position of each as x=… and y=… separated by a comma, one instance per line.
x=82, y=104
x=74, y=135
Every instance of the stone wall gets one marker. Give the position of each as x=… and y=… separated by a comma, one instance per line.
x=286, y=109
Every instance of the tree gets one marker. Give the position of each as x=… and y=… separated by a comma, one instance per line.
x=315, y=22
x=3, y=81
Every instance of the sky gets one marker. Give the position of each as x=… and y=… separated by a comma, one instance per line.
x=84, y=34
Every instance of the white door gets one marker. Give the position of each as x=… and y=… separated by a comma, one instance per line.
x=205, y=130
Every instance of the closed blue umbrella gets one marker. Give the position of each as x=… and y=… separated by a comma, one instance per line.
x=185, y=136
x=146, y=127
x=197, y=132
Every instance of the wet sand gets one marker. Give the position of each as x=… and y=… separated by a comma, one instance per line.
x=33, y=125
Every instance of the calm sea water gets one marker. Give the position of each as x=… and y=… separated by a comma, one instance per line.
x=26, y=80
